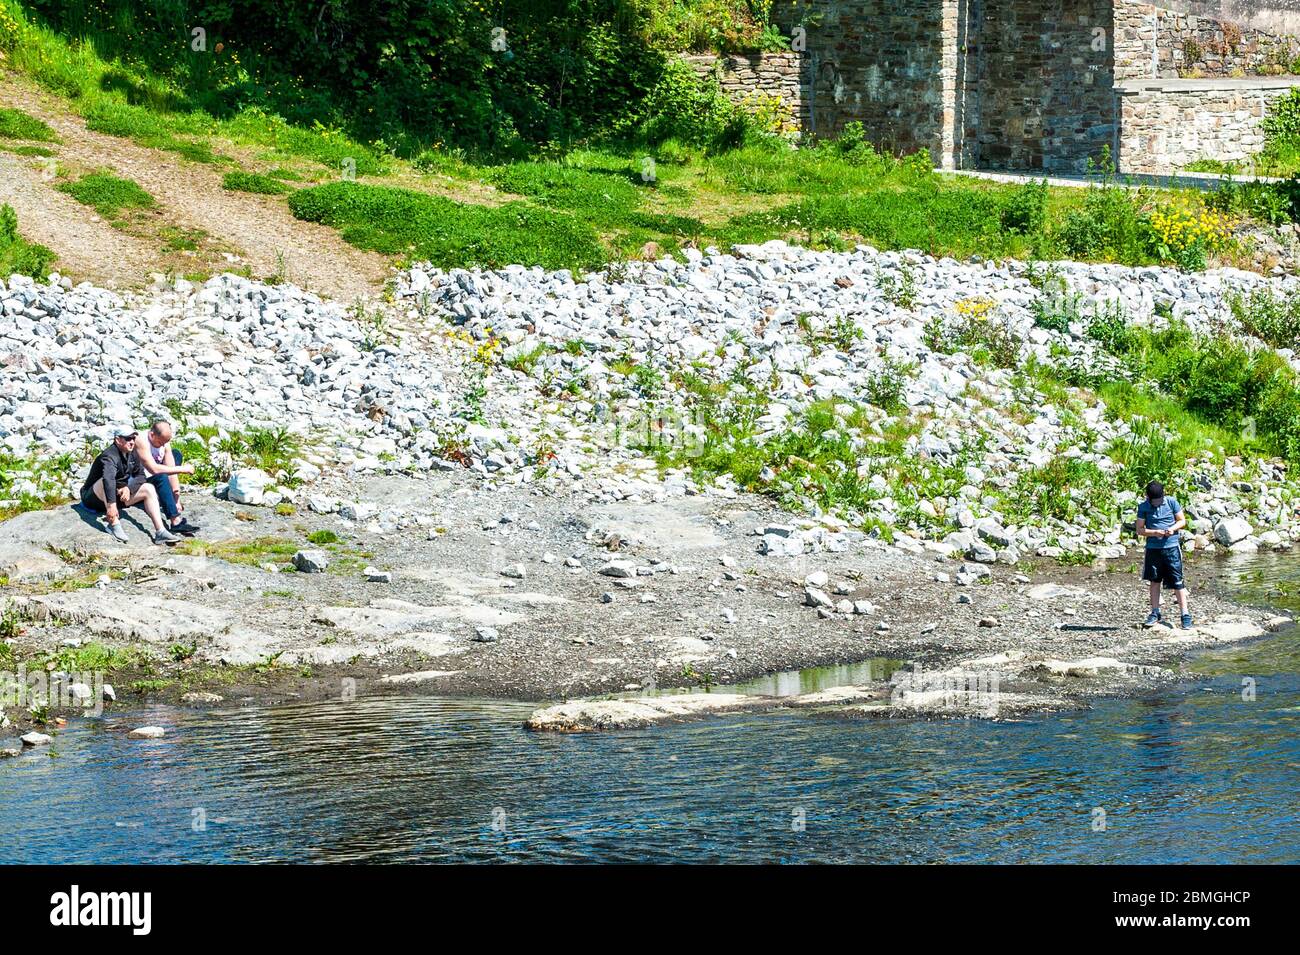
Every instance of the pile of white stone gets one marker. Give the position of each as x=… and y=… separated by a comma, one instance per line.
x=532, y=376
x=803, y=326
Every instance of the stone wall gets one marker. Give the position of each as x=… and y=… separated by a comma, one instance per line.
x=1044, y=78
x=878, y=62
x=1157, y=43
x=1164, y=126
x=1014, y=84
x=741, y=74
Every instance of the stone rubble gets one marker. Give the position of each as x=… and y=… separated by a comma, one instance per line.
x=534, y=377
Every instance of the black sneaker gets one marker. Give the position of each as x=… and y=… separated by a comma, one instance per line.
x=185, y=527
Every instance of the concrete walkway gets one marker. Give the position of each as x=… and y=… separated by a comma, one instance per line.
x=1182, y=180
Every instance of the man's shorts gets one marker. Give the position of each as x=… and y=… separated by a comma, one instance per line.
x=1164, y=565
x=90, y=500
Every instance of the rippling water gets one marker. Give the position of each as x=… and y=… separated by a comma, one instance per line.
x=1193, y=775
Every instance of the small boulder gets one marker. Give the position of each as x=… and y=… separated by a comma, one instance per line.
x=1232, y=529
x=147, y=732
x=311, y=561
x=248, y=486
x=36, y=739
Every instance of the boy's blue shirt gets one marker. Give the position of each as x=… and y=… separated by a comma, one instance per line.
x=1161, y=518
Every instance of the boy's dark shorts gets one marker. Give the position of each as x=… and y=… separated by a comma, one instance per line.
x=1164, y=565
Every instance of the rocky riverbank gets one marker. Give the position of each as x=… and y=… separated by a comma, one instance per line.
x=509, y=483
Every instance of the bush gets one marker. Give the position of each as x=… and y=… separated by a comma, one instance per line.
x=1282, y=121
x=1024, y=209
x=1269, y=318
x=688, y=108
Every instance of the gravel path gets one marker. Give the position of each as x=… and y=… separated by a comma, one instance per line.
x=261, y=228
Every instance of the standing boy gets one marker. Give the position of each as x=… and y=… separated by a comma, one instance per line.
x=1160, y=520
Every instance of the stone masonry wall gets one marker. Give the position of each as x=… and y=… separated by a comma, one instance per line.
x=1155, y=43
x=1165, y=128
x=741, y=74
x=1014, y=84
x=888, y=64
x=1044, y=83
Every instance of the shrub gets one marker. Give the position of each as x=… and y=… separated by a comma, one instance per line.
x=1282, y=120
x=1269, y=318
x=1024, y=209
x=686, y=107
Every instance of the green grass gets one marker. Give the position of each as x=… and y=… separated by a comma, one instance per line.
x=18, y=256
x=15, y=124
x=107, y=194
x=417, y=226
x=254, y=182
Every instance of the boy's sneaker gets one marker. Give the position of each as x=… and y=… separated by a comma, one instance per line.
x=1152, y=619
x=185, y=527
x=165, y=536
x=119, y=533
x=1187, y=621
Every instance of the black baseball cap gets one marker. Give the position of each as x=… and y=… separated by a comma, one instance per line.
x=1155, y=491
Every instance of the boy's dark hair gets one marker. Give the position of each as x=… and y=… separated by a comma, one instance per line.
x=1155, y=491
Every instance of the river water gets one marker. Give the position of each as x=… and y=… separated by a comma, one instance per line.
x=1194, y=774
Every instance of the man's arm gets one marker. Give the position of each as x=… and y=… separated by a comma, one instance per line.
x=152, y=467
x=1180, y=521
x=109, y=485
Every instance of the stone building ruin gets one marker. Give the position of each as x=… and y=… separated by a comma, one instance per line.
x=1040, y=85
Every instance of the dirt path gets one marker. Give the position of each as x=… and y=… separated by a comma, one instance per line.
x=259, y=228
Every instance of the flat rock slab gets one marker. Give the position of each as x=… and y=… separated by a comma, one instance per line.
x=945, y=704
x=422, y=676
x=144, y=617
x=584, y=716
x=668, y=530
x=1090, y=666
x=390, y=617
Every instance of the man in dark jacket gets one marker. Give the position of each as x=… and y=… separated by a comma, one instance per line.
x=117, y=480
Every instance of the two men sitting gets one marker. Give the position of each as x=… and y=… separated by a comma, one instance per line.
x=139, y=472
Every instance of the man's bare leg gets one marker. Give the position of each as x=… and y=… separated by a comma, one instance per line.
x=147, y=498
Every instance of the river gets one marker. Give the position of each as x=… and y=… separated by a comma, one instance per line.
x=1192, y=774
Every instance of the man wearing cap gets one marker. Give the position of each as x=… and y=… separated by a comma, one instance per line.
x=117, y=480
x=1160, y=520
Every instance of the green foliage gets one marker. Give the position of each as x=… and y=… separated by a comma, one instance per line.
x=450, y=234
x=1024, y=209
x=1216, y=378
x=1268, y=317
x=404, y=74
x=1281, y=123
x=107, y=194
x=726, y=26
x=17, y=255
x=686, y=107
x=15, y=124
x=322, y=537
x=254, y=182
x=1065, y=488
x=1056, y=307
